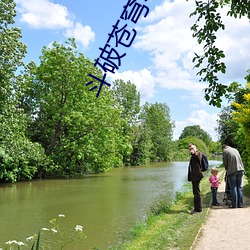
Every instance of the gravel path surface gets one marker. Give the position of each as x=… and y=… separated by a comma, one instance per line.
x=225, y=228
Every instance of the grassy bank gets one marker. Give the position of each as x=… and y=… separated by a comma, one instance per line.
x=170, y=227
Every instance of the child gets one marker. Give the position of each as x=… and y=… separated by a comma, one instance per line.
x=214, y=185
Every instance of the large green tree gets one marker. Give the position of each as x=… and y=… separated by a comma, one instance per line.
x=196, y=131
x=184, y=142
x=128, y=100
x=12, y=51
x=19, y=157
x=157, y=122
x=78, y=131
x=210, y=63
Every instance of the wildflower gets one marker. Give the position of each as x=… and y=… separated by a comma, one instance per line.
x=78, y=228
x=54, y=230
x=61, y=215
x=20, y=243
x=10, y=242
x=45, y=229
x=29, y=238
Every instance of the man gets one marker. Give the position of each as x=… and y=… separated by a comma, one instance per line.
x=235, y=170
x=195, y=175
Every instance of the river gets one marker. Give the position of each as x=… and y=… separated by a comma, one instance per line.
x=104, y=204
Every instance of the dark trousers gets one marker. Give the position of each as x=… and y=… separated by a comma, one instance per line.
x=197, y=196
x=214, y=196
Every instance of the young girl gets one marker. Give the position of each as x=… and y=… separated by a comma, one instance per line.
x=214, y=185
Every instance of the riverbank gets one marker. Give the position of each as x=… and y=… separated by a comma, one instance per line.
x=175, y=228
x=172, y=227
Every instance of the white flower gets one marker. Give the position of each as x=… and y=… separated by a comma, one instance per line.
x=29, y=238
x=61, y=215
x=10, y=242
x=54, y=230
x=78, y=228
x=20, y=243
x=45, y=229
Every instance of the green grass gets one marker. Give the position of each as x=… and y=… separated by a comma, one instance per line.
x=170, y=226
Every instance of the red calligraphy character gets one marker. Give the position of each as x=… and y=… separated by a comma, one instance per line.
x=125, y=33
x=133, y=10
x=109, y=64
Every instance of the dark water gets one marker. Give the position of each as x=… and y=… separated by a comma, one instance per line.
x=104, y=204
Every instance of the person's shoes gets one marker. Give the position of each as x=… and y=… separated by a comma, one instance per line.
x=194, y=212
x=231, y=206
x=217, y=204
x=240, y=206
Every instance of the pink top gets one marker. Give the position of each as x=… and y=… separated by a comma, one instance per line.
x=214, y=181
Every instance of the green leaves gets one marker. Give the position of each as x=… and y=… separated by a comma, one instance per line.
x=211, y=60
x=210, y=63
x=79, y=132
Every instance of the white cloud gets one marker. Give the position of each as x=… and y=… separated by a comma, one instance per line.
x=143, y=80
x=235, y=40
x=166, y=35
x=170, y=42
x=207, y=122
x=83, y=34
x=44, y=14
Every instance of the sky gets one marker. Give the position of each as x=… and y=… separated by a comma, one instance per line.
x=158, y=54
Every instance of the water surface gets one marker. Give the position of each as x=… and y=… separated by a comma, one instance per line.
x=104, y=204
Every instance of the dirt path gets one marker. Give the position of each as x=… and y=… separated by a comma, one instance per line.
x=225, y=228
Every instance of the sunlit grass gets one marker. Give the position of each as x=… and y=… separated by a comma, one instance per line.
x=170, y=226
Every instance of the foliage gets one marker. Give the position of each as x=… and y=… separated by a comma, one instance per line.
x=205, y=28
x=233, y=124
x=78, y=131
x=12, y=50
x=241, y=115
x=201, y=146
x=142, y=145
x=128, y=100
x=215, y=148
x=227, y=127
x=196, y=131
x=156, y=120
x=20, y=158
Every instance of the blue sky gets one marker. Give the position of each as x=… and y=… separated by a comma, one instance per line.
x=159, y=61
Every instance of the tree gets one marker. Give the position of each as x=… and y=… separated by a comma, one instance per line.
x=157, y=122
x=208, y=23
x=227, y=127
x=12, y=50
x=128, y=100
x=183, y=144
x=78, y=131
x=196, y=131
x=242, y=117
x=20, y=158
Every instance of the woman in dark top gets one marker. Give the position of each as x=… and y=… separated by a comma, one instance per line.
x=195, y=175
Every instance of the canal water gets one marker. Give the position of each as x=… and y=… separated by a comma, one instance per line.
x=106, y=204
